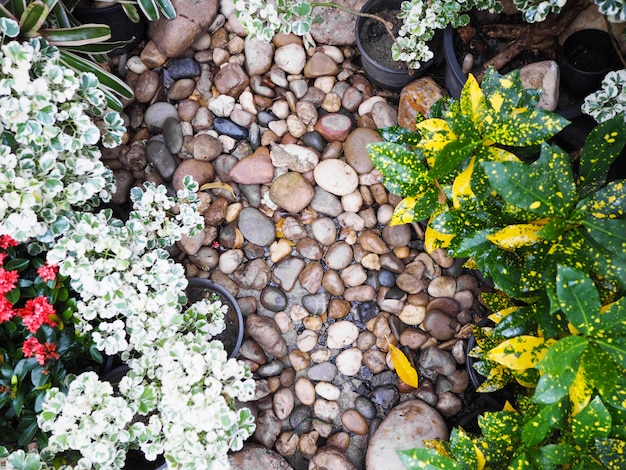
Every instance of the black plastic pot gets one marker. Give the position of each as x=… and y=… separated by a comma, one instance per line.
x=122, y=28
x=454, y=76
x=588, y=55
x=381, y=75
x=232, y=336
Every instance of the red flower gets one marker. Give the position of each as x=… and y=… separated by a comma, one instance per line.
x=7, y=280
x=48, y=272
x=7, y=241
x=2, y=256
x=42, y=352
x=6, y=310
x=37, y=312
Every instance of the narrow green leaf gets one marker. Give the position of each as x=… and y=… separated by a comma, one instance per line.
x=537, y=428
x=34, y=16
x=608, y=233
x=578, y=298
x=166, y=7
x=77, y=35
x=149, y=8
x=603, y=145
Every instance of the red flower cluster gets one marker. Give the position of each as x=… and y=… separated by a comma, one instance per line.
x=35, y=313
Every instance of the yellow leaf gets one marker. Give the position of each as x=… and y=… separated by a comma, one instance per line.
x=404, y=213
x=480, y=458
x=218, y=185
x=499, y=315
x=404, y=369
x=500, y=155
x=508, y=407
x=461, y=186
x=580, y=392
x=436, y=134
x=434, y=239
x=472, y=98
x=515, y=236
x=520, y=353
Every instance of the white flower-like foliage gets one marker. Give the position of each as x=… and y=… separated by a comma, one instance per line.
x=610, y=100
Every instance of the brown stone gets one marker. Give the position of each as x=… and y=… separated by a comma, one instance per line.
x=334, y=127
x=417, y=97
x=201, y=172
x=255, y=168
x=231, y=80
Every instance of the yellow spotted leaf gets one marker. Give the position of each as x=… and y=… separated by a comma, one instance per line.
x=436, y=134
x=434, y=239
x=516, y=236
x=480, y=458
x=404, y=211
x=500, y=155
x=500, y=314
x=461, y=186
x=580, y=392
x=508, y=407
x=520, y=353
x=404, y=369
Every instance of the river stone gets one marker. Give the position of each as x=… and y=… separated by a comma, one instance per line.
x=349, y=361
x=161, y=159
x=291, y=192
x=258, y=55
x=325, y=203
x=324, y=231
x=285, y=273
x=201, y=172
x=305, y=391
x=255, y=168
x=274, y=299
x=417, y=98
x=231, y=80
x=265, y=332
x=315, y=304
x=291, y=58
x=257, y=456
x=339, y=255
x=354, y=422
x=173, y=135
x=229, y=128
x=365, y=406
x=334, y=127
x=341, y=334
x=331, y=457
x=405, y=427
x=355, y=149
x=256, y=227
x=294, y=157
x=324, y=371
x=156, y=115
x=147, y=86
x=320, y=65
x=336, y=177
x=543, y=75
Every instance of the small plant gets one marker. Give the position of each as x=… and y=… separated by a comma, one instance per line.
x=610, y=100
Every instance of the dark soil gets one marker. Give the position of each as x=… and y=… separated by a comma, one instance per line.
x=377, y=42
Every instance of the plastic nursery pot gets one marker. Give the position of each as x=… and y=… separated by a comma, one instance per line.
x=587, y=56
x=232, y=336
x=454, y=76
x=122, y=28
x=371, y=35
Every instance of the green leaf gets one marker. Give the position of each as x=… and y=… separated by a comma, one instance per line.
x=608, y=233
x=600, y=370
x=526, y=127
x=559, y=454
x=400, y=135
x=603, y=145
x=578, y=298
x=536, y=429
x=564, y=354
x=149, y=8
x=403, y=170
x=607, y=202
x=615, y=347
x=77, y=35
x=594, y=421
x=451, y=156
x=524, y=187
x=33, y=18
x=464, y=449
x=427, y=459
x=26, y=437
x=166, y=7
x=611, y=452
x=502, y=92
x=551, y=388
x=557, y=163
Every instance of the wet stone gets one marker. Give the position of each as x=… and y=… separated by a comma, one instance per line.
x=366, y=407
x=271, y=369
x=185, y=67
x=386, y=278
x=227, y=127
x=273, y=299
x=315, y=304
x=300, y=419
x=161, y=158
x=386, y=396
x=256, y=227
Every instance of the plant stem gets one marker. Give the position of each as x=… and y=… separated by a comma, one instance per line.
x=387, y=24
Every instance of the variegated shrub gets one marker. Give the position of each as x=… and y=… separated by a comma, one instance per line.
x=549, y=230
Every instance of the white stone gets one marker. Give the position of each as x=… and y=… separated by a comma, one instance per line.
x=543, y=75
x=352, y=202
x=307, y=341
x=294, y=157
x=326, y=410
x=280, y=109
x=336, y=177
x=246, y=99
x=136, y=65
x=341, y=334
x=349, y=361
x=278, y=127
x=291, y=58
x=327, y=391
x=332, y=51
x=366, y=106
x=230, y=261
x=222, y=105
x=305, y=391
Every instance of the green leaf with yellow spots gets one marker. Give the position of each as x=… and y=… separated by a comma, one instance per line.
x=451, y=156
x=504, y=269
x=404, y=172
x=594, y=422
x=521, y=352
x=604, y=143
x=412, y=209
x=522, y=320
x=608, y=233
x=612, y=453
x=556, y=162
x=553, y=387
x=564, y=354
x=599, y=371
x=607, y=203
x=400, y=135
x=428, y=459
x=496, y=376
x=553, y=229
x=617, y=398
x=578, y=298
x=524, y=127
x=497, y=300
x=614, y=347
x=536, y=429
x=559, y=454
x=465, y=450
x=503, y=92
x=501, y=430
x=612, y=319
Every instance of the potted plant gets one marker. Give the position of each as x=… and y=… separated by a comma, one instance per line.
x=411, y=43
x=548, y=233
x=115, y=291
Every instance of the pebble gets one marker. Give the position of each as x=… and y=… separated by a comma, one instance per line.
x=256, y=227
x=354, y=422
x=320, y=65
x=341, y=334
x=349, y=361
x=324, y=371
x=229, y=128
x=338, y=255
x=305, y=391
x=307, y=341
x=300, y=419
x=291, y=58
x=365, y=407
x=326, y=410
x=334, y=126
x=328, y=391
x=267, y=334
x=273, y=298
x=336, y=177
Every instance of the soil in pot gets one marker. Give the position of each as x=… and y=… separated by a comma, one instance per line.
x=377, y=42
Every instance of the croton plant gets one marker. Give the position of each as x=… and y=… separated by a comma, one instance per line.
x=549, y=230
